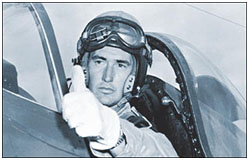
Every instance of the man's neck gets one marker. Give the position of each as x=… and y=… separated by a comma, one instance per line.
x=121, y=105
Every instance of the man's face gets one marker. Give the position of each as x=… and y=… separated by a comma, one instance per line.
x=108, y=70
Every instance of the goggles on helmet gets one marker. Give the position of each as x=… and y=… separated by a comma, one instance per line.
x=116, y=32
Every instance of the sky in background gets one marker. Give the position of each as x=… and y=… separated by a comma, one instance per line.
x=217, y=30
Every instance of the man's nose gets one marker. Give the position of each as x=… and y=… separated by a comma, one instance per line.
x=108, y=73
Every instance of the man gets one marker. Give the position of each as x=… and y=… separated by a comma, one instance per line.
x=114, y=55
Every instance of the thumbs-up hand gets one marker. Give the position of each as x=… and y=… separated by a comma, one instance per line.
x=83, y=111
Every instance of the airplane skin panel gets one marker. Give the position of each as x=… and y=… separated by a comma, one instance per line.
x=219, y=112
x=224, y=138
x=17, y=143
x=30, y=130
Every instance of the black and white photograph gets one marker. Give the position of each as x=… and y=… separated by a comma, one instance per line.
x=124, y=79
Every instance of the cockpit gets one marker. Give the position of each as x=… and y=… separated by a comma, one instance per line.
x=219, y=109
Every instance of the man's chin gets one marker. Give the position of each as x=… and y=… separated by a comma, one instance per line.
x=108, y=102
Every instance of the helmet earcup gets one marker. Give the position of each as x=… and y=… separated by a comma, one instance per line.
x=142, y=65
x=129, y=83
x=86, y=76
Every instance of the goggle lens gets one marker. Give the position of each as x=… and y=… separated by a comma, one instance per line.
x=126, y=32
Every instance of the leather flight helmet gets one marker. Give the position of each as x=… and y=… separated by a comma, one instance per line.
x=121, y=30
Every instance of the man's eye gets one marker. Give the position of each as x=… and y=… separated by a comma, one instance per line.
x=120, y=65
x=98, y=62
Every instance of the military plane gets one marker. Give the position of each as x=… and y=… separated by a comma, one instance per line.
x=210, y=108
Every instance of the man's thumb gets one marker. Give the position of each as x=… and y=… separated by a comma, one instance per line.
x=78, y=79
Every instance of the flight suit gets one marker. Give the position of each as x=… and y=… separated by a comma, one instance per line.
x=141, y=139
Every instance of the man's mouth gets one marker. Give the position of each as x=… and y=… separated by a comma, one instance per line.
x=106, y=90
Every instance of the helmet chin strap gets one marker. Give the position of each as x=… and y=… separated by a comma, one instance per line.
x=119, y=107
